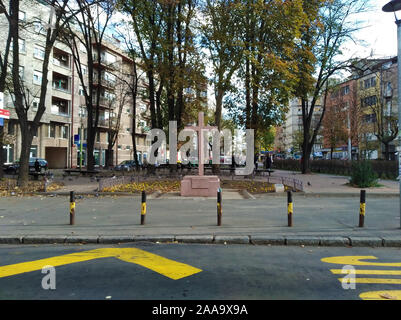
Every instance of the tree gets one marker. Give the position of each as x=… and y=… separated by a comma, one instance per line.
x=335, y=127
x=88, y=30
x=4, y=57
x=22, y=94
x=330, y=26
x=269, y=36
x=221, y=34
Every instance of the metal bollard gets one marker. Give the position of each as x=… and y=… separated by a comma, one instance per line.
x=219, y=208
x=290, y=208
x=72, y=208
x=362, y=209
x=143, y=208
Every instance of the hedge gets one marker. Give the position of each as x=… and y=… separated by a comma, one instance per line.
x=384, y=169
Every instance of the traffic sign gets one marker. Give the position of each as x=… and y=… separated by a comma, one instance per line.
x=4, y=113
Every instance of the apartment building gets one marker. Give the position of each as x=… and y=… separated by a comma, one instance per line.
x=287, y=135
x=340, y=135
x=377, y=96
x=369, y=100
x=65, y=115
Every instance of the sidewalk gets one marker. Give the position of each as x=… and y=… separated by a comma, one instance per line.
x=326, y=214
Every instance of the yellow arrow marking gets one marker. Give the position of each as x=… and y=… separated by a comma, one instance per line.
x=372, y=280
x=356, y=261
x=381, y=295
x=169, y=268
x=381, y=272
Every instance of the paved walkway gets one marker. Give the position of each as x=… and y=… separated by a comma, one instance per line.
x=313, y=184
x=324, y=215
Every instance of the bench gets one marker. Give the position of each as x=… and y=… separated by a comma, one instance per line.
x=269, y=171
x=36, y=175
x=69, y=172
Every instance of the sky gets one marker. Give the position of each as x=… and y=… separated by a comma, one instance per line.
x=380, y=35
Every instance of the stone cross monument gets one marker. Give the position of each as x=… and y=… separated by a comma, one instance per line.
x=200, y=185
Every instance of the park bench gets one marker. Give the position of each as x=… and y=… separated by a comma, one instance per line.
x=36, y=175
x=69, y=172
x=269, y=171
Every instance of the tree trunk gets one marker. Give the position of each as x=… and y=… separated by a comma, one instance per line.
x=26, y=142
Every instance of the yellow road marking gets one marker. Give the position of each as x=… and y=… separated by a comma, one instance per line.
x=381, y=295
x=371, y=280
x=356, y=261
x=381, y=272
x=169, y=268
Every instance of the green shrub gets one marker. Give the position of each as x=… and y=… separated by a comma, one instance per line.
x=362, y=175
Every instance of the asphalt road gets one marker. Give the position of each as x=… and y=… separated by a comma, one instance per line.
x=209, y=272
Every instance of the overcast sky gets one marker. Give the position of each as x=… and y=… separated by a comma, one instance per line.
x=380, y=35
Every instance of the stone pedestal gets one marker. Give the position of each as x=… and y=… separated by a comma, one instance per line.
x=200, y=186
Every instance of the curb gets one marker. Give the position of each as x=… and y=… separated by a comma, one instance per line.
x=269, y=240
x=244, y=193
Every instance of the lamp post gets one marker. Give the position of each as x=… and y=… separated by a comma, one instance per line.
x=393, y=6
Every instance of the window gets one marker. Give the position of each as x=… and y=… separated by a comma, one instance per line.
x=370, y=118
x=52, y=130
x=82, y=112
x=81, y=91
x=98, y=137
x=21, y=16
x=21, y=45
x=35, y=104
x=37, y=77
x=127, y=147
x=120, y=147
x=370, y=83
x=84, y=69
x=64, y=132
x=21, y=72
x=369, y=101
x=82, y=47
x=39, y=52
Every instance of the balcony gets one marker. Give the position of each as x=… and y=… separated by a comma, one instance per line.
x=61, y=83
x=107, y=123
x=61, y=59
x=60, y=107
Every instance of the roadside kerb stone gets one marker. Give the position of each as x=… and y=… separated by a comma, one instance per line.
x=232, y=239
x=161, y=239
x=334, y=241
x=82, y=239
x=268, y=240
x=366, y=241
x=391, y=241
x=11, y=240
x=195, y=239
x=43, y=239
x=302, y=240
x=115, y=239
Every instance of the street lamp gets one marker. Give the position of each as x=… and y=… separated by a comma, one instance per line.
x=393, y=6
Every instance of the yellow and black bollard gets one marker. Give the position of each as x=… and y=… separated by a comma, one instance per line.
x=362, y=209
x=72, y=208
x=290, y=208
x=219, y=208
x=143, y=208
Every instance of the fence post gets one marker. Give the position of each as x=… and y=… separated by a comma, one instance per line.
x=362, y=209
x=290, y=208
x=143, y=208
x=219, y=207
x=72, y=208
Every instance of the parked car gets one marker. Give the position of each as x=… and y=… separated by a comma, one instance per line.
x=14, y=167
x=126, y=165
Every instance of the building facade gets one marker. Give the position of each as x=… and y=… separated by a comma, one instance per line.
x=56, y=139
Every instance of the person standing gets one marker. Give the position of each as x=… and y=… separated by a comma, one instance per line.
x=37, y=166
